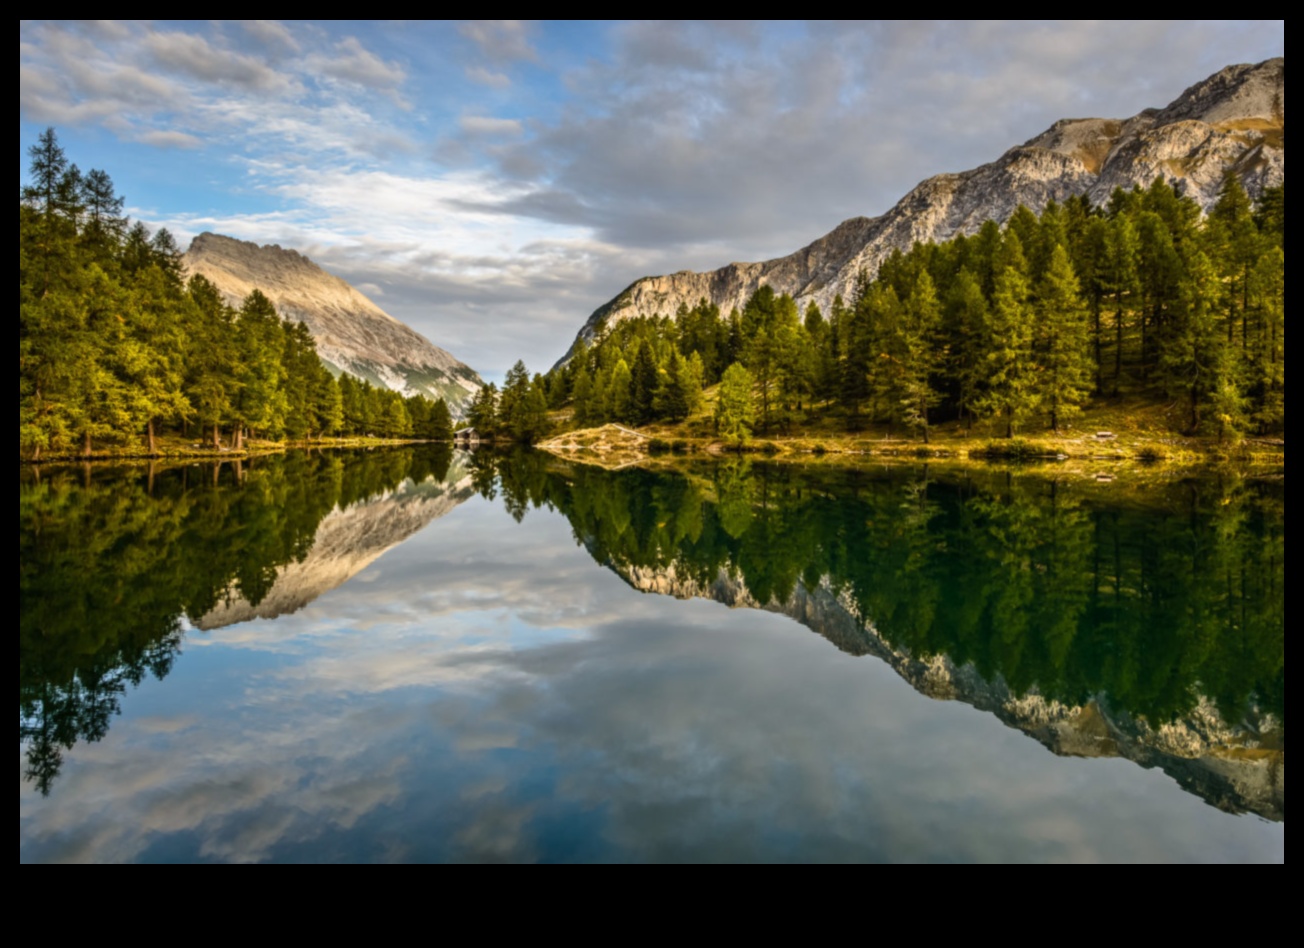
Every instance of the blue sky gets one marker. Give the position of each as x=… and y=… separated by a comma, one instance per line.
x=491, y=183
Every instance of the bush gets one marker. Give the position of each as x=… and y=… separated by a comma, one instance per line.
x=679, y=446
x=658, y=446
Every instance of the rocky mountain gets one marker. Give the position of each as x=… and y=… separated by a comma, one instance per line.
x=353, y=334
x=348, y=540
x=1235, y=766
x=1232, y=122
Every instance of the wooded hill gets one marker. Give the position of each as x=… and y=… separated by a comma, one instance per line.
x=1021, y=326
x=115, y=348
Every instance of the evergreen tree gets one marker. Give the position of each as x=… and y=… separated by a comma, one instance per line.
x=439, y=426
x=1196, y=361
x=482, y=412
x=618, y=403
x=734, y=411
x=672, y=398
x=643, y=386
x=1061, y=341
x=920, y=354
x=1007, y=359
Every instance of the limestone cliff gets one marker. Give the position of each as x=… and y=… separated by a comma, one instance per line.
x=348, y=540
x=1232, y=122
x=1235, y=766
x=352, y=333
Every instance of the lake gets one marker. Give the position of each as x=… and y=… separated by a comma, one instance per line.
x=412, y=654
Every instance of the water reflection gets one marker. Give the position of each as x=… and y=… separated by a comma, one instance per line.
x=1101, y=622
x=483, y=691
x=112, y=562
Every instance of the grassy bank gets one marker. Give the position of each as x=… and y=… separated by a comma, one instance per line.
x=1106, y=435
x=172, y=447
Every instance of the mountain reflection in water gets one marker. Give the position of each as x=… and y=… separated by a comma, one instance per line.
x=1098, y=622
x=1151, y=630
x=112, y=562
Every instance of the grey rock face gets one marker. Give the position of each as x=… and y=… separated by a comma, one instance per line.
x=352, y=333
x=1236, y=766
x=1232, y=122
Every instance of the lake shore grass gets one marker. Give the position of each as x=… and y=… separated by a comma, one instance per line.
x=1108, y=435
x=175, y=447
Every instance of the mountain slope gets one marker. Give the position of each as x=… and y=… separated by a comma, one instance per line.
x=352, y=333
x=1232, y=122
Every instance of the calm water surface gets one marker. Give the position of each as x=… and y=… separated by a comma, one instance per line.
x=411, y=655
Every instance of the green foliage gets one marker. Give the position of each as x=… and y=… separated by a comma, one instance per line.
x=735, y=406
x=997, y=326
x=113, y=347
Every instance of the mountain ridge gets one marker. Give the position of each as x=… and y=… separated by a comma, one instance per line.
x=352, y=333
x=1230, y=122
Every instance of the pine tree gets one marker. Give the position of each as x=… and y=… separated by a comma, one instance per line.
x=643, y=385
x=482, y=412
x=1007, y=359
x=966, y=320
x=920, y=354
x=1196, y=359
x=734, y=411
x=617, y=405
x=439, y=427
x=672, y=394
x=1061, y=341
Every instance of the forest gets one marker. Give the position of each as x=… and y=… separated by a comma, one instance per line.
x=115, y=347
x=1019, y=327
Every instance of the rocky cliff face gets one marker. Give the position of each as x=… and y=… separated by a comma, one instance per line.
x=353, y=334
x=1232, y=122
x=1239, y=767
x=348, y=540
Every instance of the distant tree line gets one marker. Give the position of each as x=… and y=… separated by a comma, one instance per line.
x=114, y=346
x=519, y=412
x=1015, y=325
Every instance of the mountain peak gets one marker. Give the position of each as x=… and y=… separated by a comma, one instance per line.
x=352, y=333
x=1231, y=122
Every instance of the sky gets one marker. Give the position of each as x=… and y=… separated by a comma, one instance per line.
x=490, y=183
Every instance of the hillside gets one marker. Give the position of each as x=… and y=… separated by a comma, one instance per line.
x=1231, y=122
x=352, y=333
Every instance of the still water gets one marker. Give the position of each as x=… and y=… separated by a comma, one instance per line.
x=417, y=655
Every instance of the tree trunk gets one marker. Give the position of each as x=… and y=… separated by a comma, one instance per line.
x=217, y=438
x=86, y=444
x=149, y=434
x=237, y=438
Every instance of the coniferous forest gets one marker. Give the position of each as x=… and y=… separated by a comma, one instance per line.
x=1020, y=327
x=116, y=347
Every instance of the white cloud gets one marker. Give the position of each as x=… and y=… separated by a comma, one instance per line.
x=487, y=77
x=161, y=139
x=479, y=125
x=501, y=40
